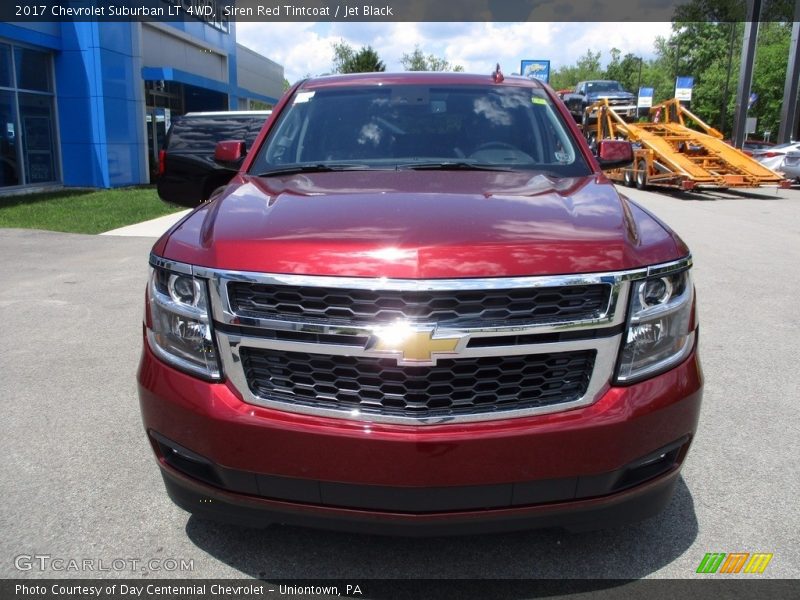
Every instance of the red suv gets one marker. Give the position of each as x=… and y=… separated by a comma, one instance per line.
x=420, y=307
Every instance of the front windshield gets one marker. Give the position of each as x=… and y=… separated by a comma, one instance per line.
x=604, y=86
x=413, y=126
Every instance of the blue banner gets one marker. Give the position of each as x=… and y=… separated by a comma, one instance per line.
x=645, y=97
x=683, y=88
x=535, y=69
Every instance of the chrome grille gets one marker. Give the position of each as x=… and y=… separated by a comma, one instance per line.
x=445, y=307
x=453, y=387
x=263, y=348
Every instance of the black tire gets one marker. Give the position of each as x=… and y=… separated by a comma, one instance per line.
x=591, y=139
x=586, y=122
x=627, y=177
x=641, y=175
x=574, y=111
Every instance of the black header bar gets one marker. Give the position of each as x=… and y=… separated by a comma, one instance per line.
x=699, y=588
x=220, y=12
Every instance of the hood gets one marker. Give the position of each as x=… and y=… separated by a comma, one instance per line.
x=413, y=224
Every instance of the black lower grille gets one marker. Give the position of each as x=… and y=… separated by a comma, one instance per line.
x=453, y=387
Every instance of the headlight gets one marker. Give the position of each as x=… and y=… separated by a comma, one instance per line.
x=181, y=330
x=658, y=335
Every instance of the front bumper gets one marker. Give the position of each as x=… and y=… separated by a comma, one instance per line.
x=619, y=509
x=614, y=461
x=623, y=110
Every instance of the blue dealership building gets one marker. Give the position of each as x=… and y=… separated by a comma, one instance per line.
x=87, y=104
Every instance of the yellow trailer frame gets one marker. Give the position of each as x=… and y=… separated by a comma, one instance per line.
x=669, y=152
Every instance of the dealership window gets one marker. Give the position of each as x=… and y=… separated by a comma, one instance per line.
x=5, y=66
x=27, y=117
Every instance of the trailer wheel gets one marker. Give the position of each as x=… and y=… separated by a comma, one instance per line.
x=627, y=177
x=641, y=175
x=585, y=120
x=591, y=139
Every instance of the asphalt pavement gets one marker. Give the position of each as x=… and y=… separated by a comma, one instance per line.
x=79, y=481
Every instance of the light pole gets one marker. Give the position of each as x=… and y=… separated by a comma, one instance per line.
x=723, y=113
x=746, y=72
x=639, y=87
x=639, y=81
x=675, y=46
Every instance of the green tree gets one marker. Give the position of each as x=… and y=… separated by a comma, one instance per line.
x=732, y=11
x=286, y=84
x=587, y=67
x=419, y=61
x=769, y=75
x=365, y=60
x=706, y=43
x=348, y=60
x=711, y=53
x=626, y=70
x=343, y=54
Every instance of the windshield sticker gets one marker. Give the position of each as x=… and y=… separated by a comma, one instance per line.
x=537, y=100
x=303, y=97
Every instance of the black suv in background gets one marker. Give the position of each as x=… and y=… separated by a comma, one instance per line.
x=187, y=173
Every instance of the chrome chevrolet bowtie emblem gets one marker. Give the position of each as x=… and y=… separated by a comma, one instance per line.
x=413, y=345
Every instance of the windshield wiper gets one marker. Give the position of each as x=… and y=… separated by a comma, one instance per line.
x=315, y=168
x=452, y=165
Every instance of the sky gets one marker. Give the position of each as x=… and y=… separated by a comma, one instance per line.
x=305, y=48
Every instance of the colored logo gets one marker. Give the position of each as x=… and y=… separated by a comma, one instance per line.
x=735, y=562
x=412, y=346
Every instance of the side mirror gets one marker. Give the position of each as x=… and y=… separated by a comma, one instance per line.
x=612, y=154
x=230, y=154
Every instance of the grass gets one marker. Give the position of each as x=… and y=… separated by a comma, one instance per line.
x=83, y=211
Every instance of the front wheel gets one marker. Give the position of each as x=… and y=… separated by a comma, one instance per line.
x=641, y=175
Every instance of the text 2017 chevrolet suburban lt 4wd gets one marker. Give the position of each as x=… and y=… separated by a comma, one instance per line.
x=420, y=307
